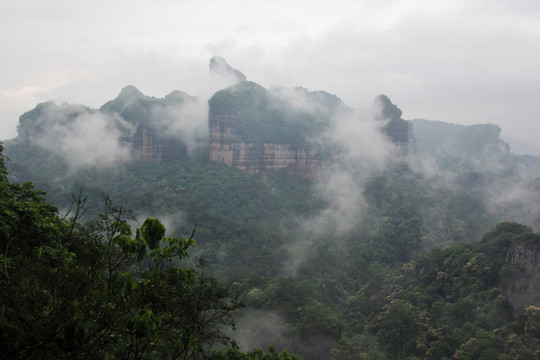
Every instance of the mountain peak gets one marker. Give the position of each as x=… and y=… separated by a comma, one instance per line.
x=221, y=69
x=130, y=91
x=128, y=95
x=177, y=97
x=385, y=109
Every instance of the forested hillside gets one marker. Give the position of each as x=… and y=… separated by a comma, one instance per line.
x=407, y=240
x=101, y=290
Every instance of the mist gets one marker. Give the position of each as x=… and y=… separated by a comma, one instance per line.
x=263, y=328
x=360, y=151
x=258, y=328
x=506, y=184
x=187, y=122
x=516, y=197
x=82, y=137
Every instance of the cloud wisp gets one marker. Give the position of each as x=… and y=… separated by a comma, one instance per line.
x=82, y=136
x=360, y=150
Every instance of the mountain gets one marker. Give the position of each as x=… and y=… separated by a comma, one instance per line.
x=348, y=233
x=259, y=131
x=473, y=140
x=152, y=121
x=249, y=127
x=135, y=126
x=220, y=70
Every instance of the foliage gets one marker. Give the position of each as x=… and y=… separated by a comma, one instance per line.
x=236, y=213
x=450, y=303
x=100, y=292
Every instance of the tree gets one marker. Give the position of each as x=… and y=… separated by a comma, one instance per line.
x=398, y=325
x=100, y=291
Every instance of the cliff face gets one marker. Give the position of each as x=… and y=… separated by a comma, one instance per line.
x=396, y=128
x=151, y=118
x=146, y=147
x=524, y=251
x=147, y=144
x=131, y=127
x=260, y=132
x=257, y=157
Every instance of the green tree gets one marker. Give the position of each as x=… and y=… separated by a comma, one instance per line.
x=100, y=291
x=398, y=326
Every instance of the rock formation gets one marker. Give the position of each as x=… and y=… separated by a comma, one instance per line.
x=151, y=119
x=395, y=128
x=139, y=124
x=262, y=131
x=257, y=157
x=258, y=132
x=251, y=128
x=525, y=251
x=221, y=71
x=146, y=146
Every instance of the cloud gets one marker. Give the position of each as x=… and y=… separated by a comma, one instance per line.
x=504, y=187
x=83, y=138
x=187, y=122
x=260, y=329
x=360, y=151
x=515, y=197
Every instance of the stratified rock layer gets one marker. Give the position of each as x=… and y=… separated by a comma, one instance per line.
x=523, y=251
x=257, y=157
x=146, y=147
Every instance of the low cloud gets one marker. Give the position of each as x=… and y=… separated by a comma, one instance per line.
x=360, y=151
x=515, y=197
x=82, y=137
x=187, y=122
x=260, y=329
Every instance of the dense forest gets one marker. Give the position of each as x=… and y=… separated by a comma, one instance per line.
x=414, y=239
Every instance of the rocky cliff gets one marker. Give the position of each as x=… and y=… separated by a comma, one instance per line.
x=525, y=251
x=151, y=120
x=257, y=157
x=249, y=127
x=395, y=128
x=259, y=131
x=140, y=127
x=146, y=146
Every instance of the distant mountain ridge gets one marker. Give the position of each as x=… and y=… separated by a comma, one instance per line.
x=437, y=135
x=249, y=127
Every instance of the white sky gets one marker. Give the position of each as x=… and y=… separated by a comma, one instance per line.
x=461, y=61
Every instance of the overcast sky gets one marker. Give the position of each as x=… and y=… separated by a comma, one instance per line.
x=466, y=62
